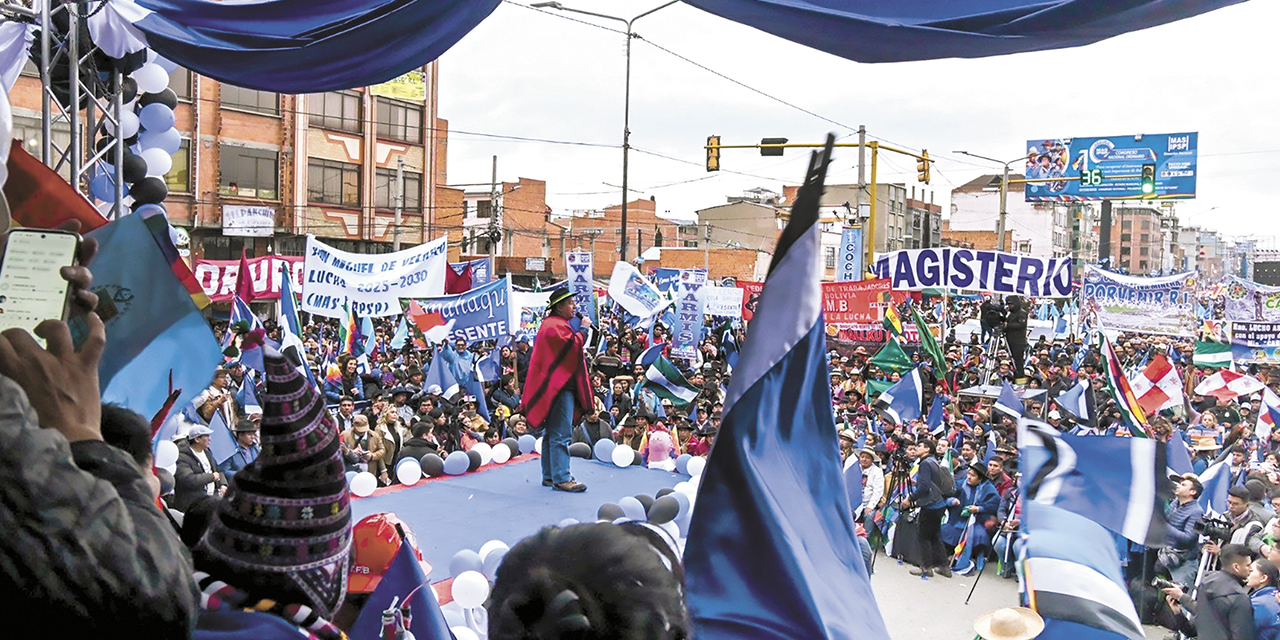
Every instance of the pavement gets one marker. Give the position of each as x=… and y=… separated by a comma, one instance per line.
x=934, y=609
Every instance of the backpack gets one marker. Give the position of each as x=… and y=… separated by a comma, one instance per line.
x=947, y=485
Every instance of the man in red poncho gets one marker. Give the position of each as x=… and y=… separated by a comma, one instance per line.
x=558, y=391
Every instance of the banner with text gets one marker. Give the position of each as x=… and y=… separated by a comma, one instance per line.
x=483, y=313
x=976, y=270
x=873, y=334
x=481, y=270
x=532, y=308
x=750, y=297
x=850, y=255
x=724, y=302
x=580, y=268
x=858, y=302
x=1248, y=301
x=691, y=301
x=372, y=283
x=1255, y=334
x=1163, y=305
x=218, y=277
x=634, y=293
x=665, y=279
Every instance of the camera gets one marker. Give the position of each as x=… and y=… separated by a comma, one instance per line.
x=1214, y=528
x=1161, y=583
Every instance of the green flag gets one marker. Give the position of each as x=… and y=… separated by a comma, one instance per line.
x=928, y=344
x=1216, y=355
x=892, y=358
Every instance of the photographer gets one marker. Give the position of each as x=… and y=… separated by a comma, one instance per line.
x=1246, y=527
x=1015, y=327
x=1180, y=554
x=1221, y=609
x=991, y=318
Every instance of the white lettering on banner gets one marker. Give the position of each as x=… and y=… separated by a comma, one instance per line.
x=371, y=283
x=581, y=270
x=218, y=277
x=690, y=306
x=976, y=270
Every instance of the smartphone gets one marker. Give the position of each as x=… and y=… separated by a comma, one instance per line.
x=32, y=289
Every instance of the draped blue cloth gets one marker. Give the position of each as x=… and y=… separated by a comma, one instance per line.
x=879, y=31
x=307, y=46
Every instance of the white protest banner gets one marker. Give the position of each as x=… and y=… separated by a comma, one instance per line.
x=580, y=283
x=724, y=302
x=633, y=292
x=976, y=270
x=1163, y=305
x=372, y=283
x=532, y=307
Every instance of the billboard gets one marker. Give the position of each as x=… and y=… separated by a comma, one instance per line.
x=1110, y=168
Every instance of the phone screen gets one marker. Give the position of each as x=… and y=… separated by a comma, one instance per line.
x=31, y=288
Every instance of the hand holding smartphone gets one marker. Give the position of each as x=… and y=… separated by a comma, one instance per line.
x=32, y=288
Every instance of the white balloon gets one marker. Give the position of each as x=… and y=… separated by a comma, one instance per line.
x=129, y=125
x=159, y=162
x=463, y=633
x=490, y=546
x=623, y=455
x=697, y=465
x=501, y=454
x=537, y=445
x=363, y=484
x=409, y=472
x=166, y=453
x=470, y=589
x=486, y=454
x=151, y=78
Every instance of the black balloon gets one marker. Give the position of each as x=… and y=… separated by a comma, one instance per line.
x=474, y=457
x=639, y=461
x=166, y=481
x=103, y=143
x=135, y=168
x=513, y=445
x=664, y=492
x=580, y=450
x=664, y=510
x=646, y=501
x=609, y=512
x=166, y=97
x=432, y=465
x=150, y=191
x=128, y=90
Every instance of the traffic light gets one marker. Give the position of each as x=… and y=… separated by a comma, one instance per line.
x=922, y=166
x=776, y=151
x=713, y=153
x=1148, y=179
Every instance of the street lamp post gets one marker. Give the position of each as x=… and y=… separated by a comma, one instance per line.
x=1004, y=193
x=626, y=107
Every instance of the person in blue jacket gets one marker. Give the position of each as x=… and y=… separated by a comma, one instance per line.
x=976, y=498
x=1262, y=582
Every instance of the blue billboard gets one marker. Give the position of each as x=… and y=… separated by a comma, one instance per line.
x=1111, y=168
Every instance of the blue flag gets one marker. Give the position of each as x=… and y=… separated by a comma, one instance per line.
x=155, y=332
x=904, y=401
x=439, y=374
x=1179, y=455
x=1216, y=481
x=401, y=336
x=1079, y=402
x=240, y=312
x=247, y=396
x=771, y=550
x=489, y=368
x=222, y=443
x=1008, y=402
x=404, y=581
x=475, y=388
x=290, y=329
x=934, y=421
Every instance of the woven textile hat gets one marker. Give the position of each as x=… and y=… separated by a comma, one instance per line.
x=283, y=529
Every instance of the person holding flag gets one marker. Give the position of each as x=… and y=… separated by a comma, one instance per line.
x=558, y=390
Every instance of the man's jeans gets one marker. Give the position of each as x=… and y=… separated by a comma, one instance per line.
x=556, y=435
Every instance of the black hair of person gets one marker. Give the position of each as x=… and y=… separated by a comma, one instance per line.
x=127, y=431
x=628, y=586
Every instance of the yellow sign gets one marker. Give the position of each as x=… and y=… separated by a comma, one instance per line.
x=410, y=86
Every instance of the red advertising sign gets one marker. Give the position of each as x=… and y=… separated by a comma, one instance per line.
x=860, y=302
x=750, y=297
x=218, y=277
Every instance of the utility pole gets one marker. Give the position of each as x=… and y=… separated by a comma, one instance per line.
x=862, y=163
x=493, y=211
x=1004, y=197
x=399, y=200
x=706, y=246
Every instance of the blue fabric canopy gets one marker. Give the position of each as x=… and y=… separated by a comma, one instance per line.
x=904, y=30
x=307, y=46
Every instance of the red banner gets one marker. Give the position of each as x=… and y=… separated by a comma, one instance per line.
x=874, y=334
x=218, y=277
x=750, y=297
x=860, y=302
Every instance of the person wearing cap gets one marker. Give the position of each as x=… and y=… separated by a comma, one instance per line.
x=216, y=399
x=197, y=474
x=848, y=441
x=247, y=449
x=872, y=483
x=1009, y=623
x=1181, y=552
x=558, y=390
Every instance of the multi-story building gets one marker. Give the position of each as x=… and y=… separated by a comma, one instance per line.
x=1136, y=240
x=601, y=231
x=334, y=164
x=521, y=218
x=1040, y=229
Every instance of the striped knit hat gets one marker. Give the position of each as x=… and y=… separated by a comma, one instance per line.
x=283, y=529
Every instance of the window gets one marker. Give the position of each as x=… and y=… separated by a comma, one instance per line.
x=484, y=209
x=1126, y=237
x=225, y=248
x=691, y=244
x=384, y=190
x=179, y=177
x=831, y=256
x=330, y=182
x=687, y=230
x=1127, y=224
x=1146, y=237
x=180, y=82
x=399, y=120
x=250, y=99
x=1143, y=251
x=248, y=173
x=338, y=110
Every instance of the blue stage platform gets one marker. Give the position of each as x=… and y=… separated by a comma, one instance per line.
x=503, y=502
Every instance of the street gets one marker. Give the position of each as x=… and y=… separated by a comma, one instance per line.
x=934, y=609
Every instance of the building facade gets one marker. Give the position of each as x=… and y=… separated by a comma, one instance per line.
x=1041, y=229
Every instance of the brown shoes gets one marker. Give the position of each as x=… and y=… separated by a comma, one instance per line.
x=572, y=486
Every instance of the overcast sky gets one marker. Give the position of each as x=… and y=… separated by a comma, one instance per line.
x=537, y=74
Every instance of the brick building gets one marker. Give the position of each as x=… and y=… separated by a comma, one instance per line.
x=600, y=232
x=741, y=264
x=467, y=214
x=986, y=240
x=324, y=164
